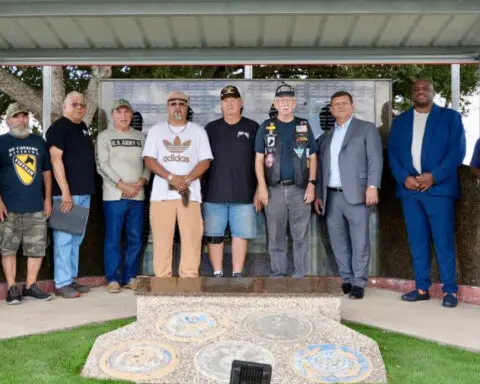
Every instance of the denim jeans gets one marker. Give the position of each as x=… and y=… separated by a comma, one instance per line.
x=66, y=248
x=119, y=214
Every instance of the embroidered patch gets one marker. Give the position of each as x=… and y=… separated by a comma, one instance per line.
x=299, y=152
x=301, y=129
x=270, y=141
x=269, y=160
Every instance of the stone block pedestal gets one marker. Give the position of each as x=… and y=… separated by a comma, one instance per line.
x=190, y=330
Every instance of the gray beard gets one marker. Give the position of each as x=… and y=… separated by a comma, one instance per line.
x=19, y=133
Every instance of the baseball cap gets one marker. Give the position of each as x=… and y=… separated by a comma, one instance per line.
x=177, y=95
x=121, y=103
x=285, y=90
x=230, y=91
x=15, y=108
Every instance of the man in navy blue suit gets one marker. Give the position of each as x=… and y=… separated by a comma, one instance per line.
x=425, y=148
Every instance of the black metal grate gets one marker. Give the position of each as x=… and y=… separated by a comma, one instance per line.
x=244, y=372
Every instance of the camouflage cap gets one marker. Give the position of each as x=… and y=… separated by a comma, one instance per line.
x=121, y=103
x=14, y=109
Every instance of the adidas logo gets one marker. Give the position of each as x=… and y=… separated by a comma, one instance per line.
x=175, y=149
x=177, y=146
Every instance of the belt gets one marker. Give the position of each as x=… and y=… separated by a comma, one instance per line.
x=286, y=182
x=334, y=189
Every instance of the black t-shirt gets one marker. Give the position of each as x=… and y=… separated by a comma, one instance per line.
x=78, y=156
x=22, y=163
x=231, y=176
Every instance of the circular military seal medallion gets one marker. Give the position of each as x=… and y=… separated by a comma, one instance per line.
x=328, y=363
x=192, y=325
x=215, y=360
x=139, y=360
x=278, y=326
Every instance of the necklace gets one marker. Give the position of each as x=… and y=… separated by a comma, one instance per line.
x=174, y=131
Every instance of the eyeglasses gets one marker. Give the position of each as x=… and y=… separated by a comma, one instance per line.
x=177, y=104
x=79, y=105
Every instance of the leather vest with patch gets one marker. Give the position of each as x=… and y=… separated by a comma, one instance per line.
x=300, y=153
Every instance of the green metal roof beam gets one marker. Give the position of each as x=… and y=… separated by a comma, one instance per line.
x=43, y=8
x=241, y=56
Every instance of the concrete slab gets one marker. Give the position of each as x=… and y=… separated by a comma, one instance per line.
x=425, y=320
x=380, y=308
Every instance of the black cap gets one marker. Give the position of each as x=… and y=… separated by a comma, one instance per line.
x=284, y=90
x=230, y=91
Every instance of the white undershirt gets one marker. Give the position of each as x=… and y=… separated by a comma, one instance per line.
x=419, y=123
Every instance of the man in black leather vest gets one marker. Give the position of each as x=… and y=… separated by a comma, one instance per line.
x=286, y=166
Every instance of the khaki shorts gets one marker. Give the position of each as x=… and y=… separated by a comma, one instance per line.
x=28, y=229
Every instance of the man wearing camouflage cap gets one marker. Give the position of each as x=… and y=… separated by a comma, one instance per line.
x=25, y=202
x=119, y=162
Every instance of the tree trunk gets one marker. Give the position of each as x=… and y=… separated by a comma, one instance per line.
x=32, y=99
x=14, y=87
x=58, y=92
x=92, y=92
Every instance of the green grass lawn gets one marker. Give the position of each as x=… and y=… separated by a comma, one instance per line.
x=58, y=357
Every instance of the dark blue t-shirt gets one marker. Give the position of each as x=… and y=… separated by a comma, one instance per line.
x=22, y=163
x=285, y=131
x=475, y=163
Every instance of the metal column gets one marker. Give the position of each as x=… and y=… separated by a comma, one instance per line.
x=248, y=71
x=47, y=98
x=455, y=82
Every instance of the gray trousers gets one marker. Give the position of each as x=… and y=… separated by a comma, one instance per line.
x=286, y=204
x=349, y=235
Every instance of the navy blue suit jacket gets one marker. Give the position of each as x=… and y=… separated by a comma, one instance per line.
x=443, y=150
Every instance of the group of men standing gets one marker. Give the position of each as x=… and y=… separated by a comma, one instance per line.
x=235, y=167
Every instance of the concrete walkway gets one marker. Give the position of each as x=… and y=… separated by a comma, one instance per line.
x=380, y=308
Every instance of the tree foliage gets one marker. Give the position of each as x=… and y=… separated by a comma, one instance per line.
x=24, y=84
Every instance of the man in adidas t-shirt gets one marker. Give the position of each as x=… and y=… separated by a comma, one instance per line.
x=178, y=153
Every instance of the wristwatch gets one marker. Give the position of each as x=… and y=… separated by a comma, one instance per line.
x=314, y=182
x=170, y=177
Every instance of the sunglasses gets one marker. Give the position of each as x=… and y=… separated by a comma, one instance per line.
x=79, y=105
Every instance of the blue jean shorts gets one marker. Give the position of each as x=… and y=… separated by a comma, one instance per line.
x=241, y=217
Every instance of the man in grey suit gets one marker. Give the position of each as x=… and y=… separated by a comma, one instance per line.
x=348, y=179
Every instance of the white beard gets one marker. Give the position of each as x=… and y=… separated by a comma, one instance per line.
x=19, y=131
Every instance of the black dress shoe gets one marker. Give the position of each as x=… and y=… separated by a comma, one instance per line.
x=346, y=288
x=450, y=300
x=356, y=293
x=415, y=295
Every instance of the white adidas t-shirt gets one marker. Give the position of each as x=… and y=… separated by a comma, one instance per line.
x=178, y=151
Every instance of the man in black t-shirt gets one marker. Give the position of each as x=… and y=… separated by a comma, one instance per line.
x=230, y=183
x=25, y=171
x=73, y=162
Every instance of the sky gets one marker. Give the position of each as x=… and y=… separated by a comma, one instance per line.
x=472, y=126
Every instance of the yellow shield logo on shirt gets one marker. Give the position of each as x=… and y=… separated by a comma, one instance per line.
x=26, y=167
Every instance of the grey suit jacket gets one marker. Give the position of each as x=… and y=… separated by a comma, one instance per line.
x=360, y=161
